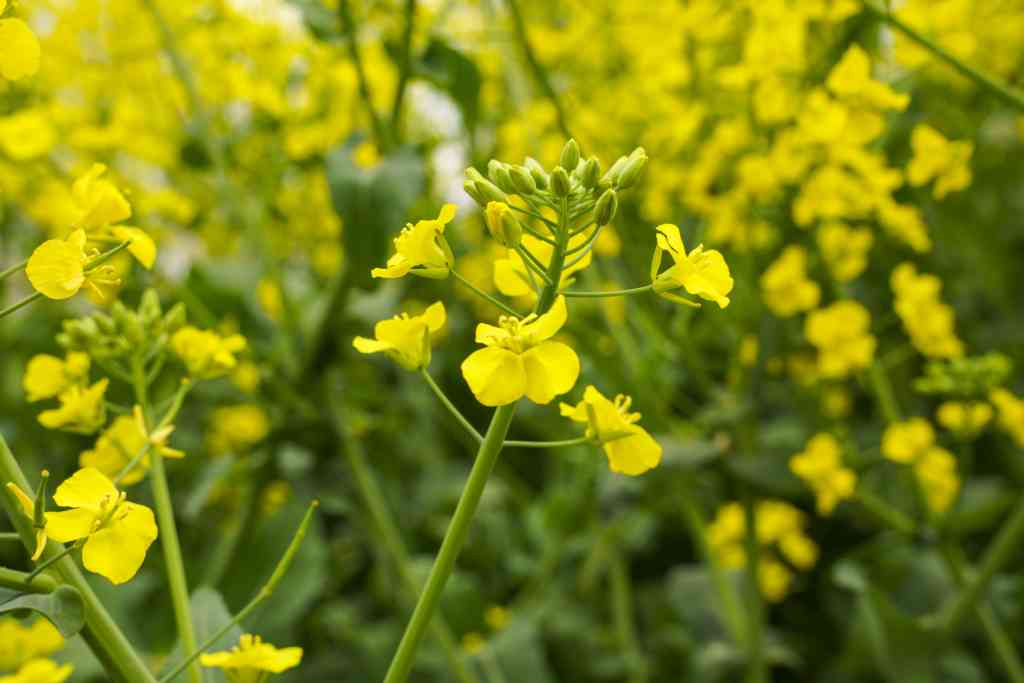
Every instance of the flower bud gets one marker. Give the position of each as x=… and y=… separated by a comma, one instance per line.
x=489, y=192
x=540, y=176
x=560, y=184
x=570, y=156
x=632, y=169
x=503, y=226
x=612, y=174
x=590, y=173
x=524, y=183
x=469, y=187
x=499, y=175
x=175, y=318
x=149, y=307
x=606, y=208
x=474, y=175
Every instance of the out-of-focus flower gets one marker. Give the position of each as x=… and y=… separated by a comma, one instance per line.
x=252, y=660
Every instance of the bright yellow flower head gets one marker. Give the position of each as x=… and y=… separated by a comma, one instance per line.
x=936, y=157
x=936, y=471
x=785, y=287
x=820, y=464
x=118, y=533
x=20, y=54
x=20, y=644
x=702, y=273
x=236, y=429
x=99, y=201
x=406, y=339
x=841, y=333
x=844, y=249
x=906, y=441
x=930, y=323
x=206, y=354
x=252, y=660
x=27, y=134
x=83, y=409
x=57, y=267
x=521, y=361
x=421, y=249
x=39, y=671
x=48, y=376
x=851, y=81
x=630, y=449
x=966, y=419
x=121, y=443
x=1011, y=413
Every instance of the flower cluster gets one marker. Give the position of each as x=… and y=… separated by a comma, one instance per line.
x=913, y=443
x=929, y=322
x=820, y=465
x=24, y=648
x=841, y=334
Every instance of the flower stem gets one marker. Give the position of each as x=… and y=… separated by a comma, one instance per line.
x=578, y=441
x=7, y=272
x=453, y=541
x=610, y=293
x=885, y=512
x=348, y=27
x=451, y=407
x=485, y=295
x=20, y=581
x=21, y=304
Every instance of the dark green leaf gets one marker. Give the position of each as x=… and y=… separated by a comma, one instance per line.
x=63, y=607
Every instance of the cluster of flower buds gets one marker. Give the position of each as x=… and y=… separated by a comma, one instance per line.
x=123, y=331
x=576, y=183
x=967, y=377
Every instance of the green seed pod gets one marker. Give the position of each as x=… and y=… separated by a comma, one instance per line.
x=503, y=226
x=524, y=183
x=590, y=173
x=606, y=208
x=560, y=184
x=499, y=175
x=631, y=171
x=540, y=176
x=570, y=156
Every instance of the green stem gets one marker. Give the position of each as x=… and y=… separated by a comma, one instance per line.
x=453, y=541
x=547, y=296
x=20, y=304
x=1008, y=95
x=609, y=293
x=531, y=261
x=42, y=566
x=622, y=615
x=173, y=562
x=6, y=273
x=536, y=68
x=101, y=632
x=459, y=417
x=757, y=671
x=884, y=392
x=26, y=583
x=265, y=592
x=885, y=512
x=348, y=27
x=404, y=68
x=485, y=295
x=578, y=441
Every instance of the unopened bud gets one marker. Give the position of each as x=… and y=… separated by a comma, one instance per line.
x=590, y=173
x=560, y=184
x=606, y=208
x=612, y=174
x=489, y=192
x=499, y=175
x=474, y=175
x=540, y=176
x=570, y=156
x=632, y=169
x=524, y=183
x=469, y=187
x=175, y=318
x=149, y=307
x=503, y=226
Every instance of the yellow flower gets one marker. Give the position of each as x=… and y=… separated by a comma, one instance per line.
x=141, y=246
x=236, y=429
x=936, y=157
x=48, y=376
x=99, y=201
x=521, y=361
x=842, y=337
x=851, y=81
x=406, y=339
x=774, y=580
x=19, y=644
x=206, y=354
x=820, y=464
x=20, y=54
x=967, y=419
x=701, y=273
x=252, y=659
x=844, y=249
x=39, y=671
x=496, y=617
x=1011, y=413
x=29, y=508
x=117, y=533
x=121, y=443
x=936, y=470
x=473, y=643
x=83, y=409
x=929, y=322
x=57, y=267
x=906, y=441
x=785, y=287
x=512, y=278
x=27, y=134
x=630, y=449
x=421, y=249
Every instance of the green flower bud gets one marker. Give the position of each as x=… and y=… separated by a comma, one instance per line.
x=474, y=175
x=469, y=187
x=632, y=169
x=606, y=208
x=560, y=184
x=570, y=156
x=489, y=192
x=612, y=174
x=105, y=323
x=499, y=175
x=502, y=224
x=590, y=172
x=149, y=307
x=540, y=176
x=175, y=318
x=524, y=183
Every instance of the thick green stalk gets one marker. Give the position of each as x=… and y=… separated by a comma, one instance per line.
x=622, y=615
x=454, y=538
x=101, y=632
x=26, y=583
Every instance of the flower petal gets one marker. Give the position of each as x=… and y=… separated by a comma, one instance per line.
x=86, y=488
x=119, y=549
x=496, y=376
x=552, y=368
x=548, y=325
x=69, y=525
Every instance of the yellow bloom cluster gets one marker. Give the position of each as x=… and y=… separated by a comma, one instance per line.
x=1011, y=413
x=252, y=660
x=702, y=273
x=82, y=406
x=820, y=465
x=937, y=158
x=913, y=443
x=121, y=443
x=206, y=354
x=21, y=643
x=20, y=54
x=39, y=671
x=841, y=333
x=236, y=429
x=785, y=287
x=844, y=249
x=929, y=322
x=966, y=419
x=421, y=249
x=780, y=535
x=406, y=339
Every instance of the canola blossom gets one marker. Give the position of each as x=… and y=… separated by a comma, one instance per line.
x=406, y=339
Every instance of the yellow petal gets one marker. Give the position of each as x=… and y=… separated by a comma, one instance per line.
x=20, y=55
x=86, y=488
x=670, y=240
x=365, y=345
x=552, y=368
x=119, y=549
x=633, y=455
x=69, y=525
x=446, y=215
x=510, y=278
x=44, y=378
x=434, y=316
x=55, y=269
x=547, y=325
x=142, y=246
x=496, y=376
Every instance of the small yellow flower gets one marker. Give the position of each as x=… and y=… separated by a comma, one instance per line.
x=39, y=671
x=83, y=409
x=521, y=361
x=141, y=246
x=473, y=643
x=236, y=429
x=117, y=533
x=774, y=580
x=1011, y=413
x=406, y=339
x=56, y=268
x=936, y=157
x=206, y=354
x=702, y=273
x=841, y=333
x=785, y=287
x=252, y=660
x=844, y=249
x=20, y=54
x=936, y=470
x=496, y=617
x=906, y=441
x=421, y=249
x=820, y=464
x=122, y=442
x=512, y=278
x=20, y=644
x=99, y=201
x=48, y=376
x=630, y=449
x=851, y=81
x=966, y=419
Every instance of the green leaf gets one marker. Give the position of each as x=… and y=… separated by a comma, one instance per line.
x=63, y=607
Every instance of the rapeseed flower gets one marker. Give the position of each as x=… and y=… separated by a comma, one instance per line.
x=965, y=419
x=406, y=339
x=421, y=249
x=206, y=354
x=935, y=157
x=47, y=376
x=82, y=409
x=123, y=441
x=630, y=449
x=785, y=287
x=929, y=322
x=844, y=249
x=252, y=660
x=39, y=671
x=1011, y=413
x=820, y=465
x=841, y=333
x=702, y=273
x=22, y=643
x=912, y=442
x=20, y=54
x=56, y=268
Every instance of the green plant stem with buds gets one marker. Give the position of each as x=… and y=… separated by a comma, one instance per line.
x=102, y=634
x=173, y=562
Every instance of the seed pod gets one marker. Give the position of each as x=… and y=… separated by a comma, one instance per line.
x=540, y=176
x=560, y=184
x=503, y=226
x=606, y=208
x=590, y=172
x=499, y=175
x=524, y=183
x=570, y=156
x=632, y=169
